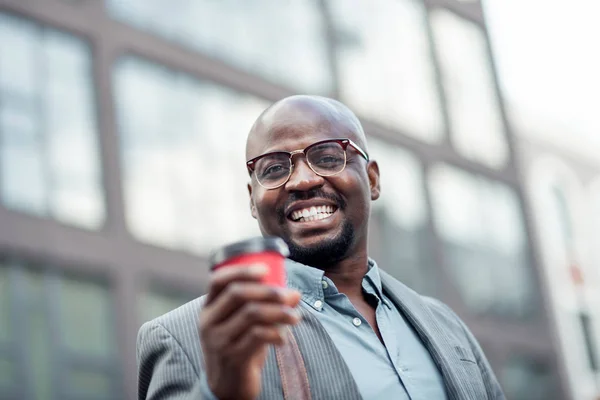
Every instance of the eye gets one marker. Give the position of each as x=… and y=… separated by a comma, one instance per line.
x=274, y=171
x=328, y=158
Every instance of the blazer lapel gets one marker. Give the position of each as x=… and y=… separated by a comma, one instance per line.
x=434, y=336
x=328, y=375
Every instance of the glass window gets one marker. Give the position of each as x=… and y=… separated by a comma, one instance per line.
x=475, y=120
x=49, y=160
x=526, y=379
x=40, y=355
x=481, y=226
x=282, y=44
x=155, y=303
x=5, y=304
x=385, y=66
x=398, y=232
x=82, y=383
x=86, y=322
x=183, y=151
x=7, y=373
x=556, y=196
x=65, y=333
x=563, y=215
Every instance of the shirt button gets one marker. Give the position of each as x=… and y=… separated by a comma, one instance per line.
x=318, y=304
x=324, y=284
x=356, y=321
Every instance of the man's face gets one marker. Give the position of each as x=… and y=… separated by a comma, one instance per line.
x=342, y=201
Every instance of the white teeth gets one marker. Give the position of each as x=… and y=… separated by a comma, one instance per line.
x=313, y=213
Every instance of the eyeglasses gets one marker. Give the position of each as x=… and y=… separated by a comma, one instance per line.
x=325, y=158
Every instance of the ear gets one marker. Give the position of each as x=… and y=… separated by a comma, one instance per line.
x=374, y=184
x=252, y=205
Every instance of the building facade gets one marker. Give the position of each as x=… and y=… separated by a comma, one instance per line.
x=122, y=133
x=563, y=191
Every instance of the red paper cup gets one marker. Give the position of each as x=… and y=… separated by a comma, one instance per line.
x=269, y=251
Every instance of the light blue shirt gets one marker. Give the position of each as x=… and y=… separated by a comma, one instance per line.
x=399, y=368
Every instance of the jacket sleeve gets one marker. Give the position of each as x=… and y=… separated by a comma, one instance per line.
x=165, y=371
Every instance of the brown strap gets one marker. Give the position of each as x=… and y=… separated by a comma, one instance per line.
x=292, y=370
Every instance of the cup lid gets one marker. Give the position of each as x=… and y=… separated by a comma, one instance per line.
x=254, y=245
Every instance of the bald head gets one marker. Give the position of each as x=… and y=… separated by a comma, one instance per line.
x=296, y=116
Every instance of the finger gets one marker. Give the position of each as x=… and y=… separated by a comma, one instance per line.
x=220, y=278
x=292, y=298
x=255, y=340
x=236, y=294
x=255, y=314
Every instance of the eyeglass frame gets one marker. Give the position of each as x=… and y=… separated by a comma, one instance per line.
x=343, y=142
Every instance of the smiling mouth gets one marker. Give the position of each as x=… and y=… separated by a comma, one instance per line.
x=314, y=213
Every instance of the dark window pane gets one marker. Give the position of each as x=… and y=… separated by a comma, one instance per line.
x=7, y=374
x=485, y=247
x=83, y=383
x=155, y=303
x=589, y=340
x=39, y=350
x=5, y=304
x=398, y=233
x=526, y=379
x=66, y=335
x=86, y=323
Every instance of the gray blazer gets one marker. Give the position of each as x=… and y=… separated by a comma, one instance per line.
x=170, y=361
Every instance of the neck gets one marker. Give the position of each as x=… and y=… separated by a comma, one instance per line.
x=348, y=274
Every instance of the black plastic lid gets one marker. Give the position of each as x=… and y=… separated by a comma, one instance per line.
x=254, y=245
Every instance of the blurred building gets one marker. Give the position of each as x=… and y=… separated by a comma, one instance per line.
x=564, y=193
x=122, y=133
x=550, y=84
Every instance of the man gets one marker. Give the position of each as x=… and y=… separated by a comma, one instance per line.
x=361, y=333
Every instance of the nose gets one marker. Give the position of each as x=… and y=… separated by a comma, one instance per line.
x=303, y=178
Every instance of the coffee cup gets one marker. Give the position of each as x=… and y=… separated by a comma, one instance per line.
x=268, y=251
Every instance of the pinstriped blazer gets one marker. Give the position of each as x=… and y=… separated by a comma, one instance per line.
x=170, y=364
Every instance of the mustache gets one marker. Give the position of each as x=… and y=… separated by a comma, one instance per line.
x=309, y=195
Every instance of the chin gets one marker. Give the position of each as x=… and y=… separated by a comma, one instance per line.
x=315, y=239
x=322, y=250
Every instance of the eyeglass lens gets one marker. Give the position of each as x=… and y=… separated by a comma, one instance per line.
x=324, y=159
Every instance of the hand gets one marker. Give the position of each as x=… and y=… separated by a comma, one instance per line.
x=241, y=317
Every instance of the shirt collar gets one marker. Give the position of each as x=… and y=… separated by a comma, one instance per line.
x=309, y=282
x=373, y=279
